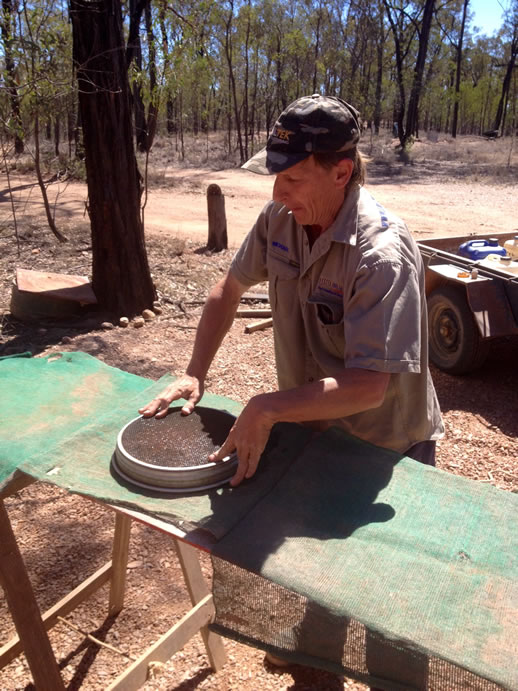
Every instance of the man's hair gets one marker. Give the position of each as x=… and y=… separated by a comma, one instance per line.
x=332, y=158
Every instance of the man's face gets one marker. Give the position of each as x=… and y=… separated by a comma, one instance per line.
x=310, y=192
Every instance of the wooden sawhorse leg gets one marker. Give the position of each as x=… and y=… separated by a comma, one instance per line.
x=196, y=620
x=120, y=553
x=25, y=611
x=198, y=590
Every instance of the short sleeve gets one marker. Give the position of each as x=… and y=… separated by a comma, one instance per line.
x=382, y=319
x=249, y=263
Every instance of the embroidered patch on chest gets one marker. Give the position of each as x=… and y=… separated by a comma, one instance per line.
x=326, y=285
x=280, y=246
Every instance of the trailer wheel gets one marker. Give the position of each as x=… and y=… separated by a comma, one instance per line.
x=455, y=344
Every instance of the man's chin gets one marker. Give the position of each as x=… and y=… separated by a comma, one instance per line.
x=298, y=215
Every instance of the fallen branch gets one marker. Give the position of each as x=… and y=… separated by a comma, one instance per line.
x=96, y=640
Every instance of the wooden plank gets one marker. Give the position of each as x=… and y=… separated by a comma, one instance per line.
x=17, y=482
x=259, y=313
x=62, y=286
x=120, y=552
x=25, y=611
x=260, y=297
x=198, y=589
x=258, y=326
x=15, y=646
x=172, y=641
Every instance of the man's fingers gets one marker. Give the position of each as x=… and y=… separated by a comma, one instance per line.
x=191, y=403
x=226, y=449
x=246, y=467
x=157, y=406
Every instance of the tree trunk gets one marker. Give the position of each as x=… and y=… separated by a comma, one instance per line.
x=57, y=135
x=134, y=53
x=120, y=272
x=458, y=71
x=507, y=82
x=10, y=77
x=170, y=122
x=380, y=41
x=417, y=84
x=152, y=114
x=41, y=183
x=233, y=89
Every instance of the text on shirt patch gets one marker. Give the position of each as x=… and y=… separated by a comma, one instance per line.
x=328, y=286
x=281, y=247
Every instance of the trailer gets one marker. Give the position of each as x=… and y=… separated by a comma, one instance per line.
x=469, y=303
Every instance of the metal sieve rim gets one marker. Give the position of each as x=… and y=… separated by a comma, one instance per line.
x=165, y=488
x=120, y=449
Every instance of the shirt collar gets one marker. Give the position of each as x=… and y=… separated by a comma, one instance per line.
x=345, y=226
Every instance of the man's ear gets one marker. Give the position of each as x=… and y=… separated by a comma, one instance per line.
x=344, y=170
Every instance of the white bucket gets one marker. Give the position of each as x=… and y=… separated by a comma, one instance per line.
x=496, y=261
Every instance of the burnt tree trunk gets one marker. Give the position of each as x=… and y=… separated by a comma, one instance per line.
x=120, y=272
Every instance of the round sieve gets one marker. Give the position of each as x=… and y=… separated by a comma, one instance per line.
x=170, y=453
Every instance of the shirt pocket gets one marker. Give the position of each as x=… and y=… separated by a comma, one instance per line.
x=328, y=317
x=283, y=278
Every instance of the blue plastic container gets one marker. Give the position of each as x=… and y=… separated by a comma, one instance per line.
x=479, y=249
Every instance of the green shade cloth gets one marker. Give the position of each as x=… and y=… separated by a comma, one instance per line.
x=337, y=553
x=413, y=553
x=59, y=420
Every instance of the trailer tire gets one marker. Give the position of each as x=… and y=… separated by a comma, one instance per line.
x=455, y=343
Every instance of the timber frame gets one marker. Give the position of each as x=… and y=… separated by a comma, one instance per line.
x=32, y=626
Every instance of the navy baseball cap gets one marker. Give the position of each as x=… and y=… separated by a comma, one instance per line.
x=311, y=124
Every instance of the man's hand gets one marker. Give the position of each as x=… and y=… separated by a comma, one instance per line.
x=248, y=438
x=188, y=387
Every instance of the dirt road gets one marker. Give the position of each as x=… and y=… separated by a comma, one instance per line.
x=179, y=208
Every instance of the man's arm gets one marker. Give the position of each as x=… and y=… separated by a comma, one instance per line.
x=350, y=392
x=216, y=319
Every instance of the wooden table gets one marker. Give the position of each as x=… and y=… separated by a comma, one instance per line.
x=32, y=625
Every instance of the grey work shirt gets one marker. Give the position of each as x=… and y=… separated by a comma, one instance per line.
x=354, y=299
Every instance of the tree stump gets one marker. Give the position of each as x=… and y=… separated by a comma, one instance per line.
x=217, y=219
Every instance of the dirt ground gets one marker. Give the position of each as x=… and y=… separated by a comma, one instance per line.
x=64, y=538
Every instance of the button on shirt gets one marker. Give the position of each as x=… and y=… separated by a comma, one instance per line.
x=354, y=299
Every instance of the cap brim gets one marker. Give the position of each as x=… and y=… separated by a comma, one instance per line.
x=257, y=164
x=272, y=162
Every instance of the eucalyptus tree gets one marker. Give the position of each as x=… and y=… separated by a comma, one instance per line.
x=410, y=23
x=510, y=36
x=120, y=272
x=453, y=27
x=43, y=49
x=7, y=31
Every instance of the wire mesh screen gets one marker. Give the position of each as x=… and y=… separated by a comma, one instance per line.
x=177, y=441
x=171, y=453
x=255, y=611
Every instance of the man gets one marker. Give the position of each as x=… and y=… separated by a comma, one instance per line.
x=346, y=286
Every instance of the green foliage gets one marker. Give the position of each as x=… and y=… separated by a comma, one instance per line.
x=234, y=64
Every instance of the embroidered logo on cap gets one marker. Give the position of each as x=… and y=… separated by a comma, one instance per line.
x=282, y=133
